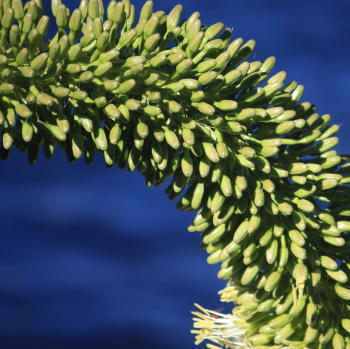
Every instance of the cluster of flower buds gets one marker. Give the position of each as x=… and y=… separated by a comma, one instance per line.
x=175, y=98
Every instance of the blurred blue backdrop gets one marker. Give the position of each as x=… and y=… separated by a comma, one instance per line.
x=92, y=258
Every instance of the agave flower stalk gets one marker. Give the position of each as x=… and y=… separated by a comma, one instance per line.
x=174, y=98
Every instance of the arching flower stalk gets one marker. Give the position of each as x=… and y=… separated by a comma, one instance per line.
x=174, y=98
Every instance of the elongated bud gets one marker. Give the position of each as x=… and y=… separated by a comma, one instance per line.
x=83, y=7
x=54, y=51
x=97, y=26
x=7, y=139
x=75, y=21
x=55, y=4
x=190, y=21
x=27, y=23
x=33, y=10
x=146, y=11
x=174, y=16
x=226, y=105
x=22, y=56
x=6, y=88
x=39, y=62
x=17, y=6
x=60, y=91
x=194, y=28
x=116, y=13
x=101, y=8
x=45, y=99
x=102, y=41
x=23, y=111
x=103, y=69
x=61, y=18
x=74, y=52
x=152, y=42
x=73, y=68
x=213, y=30
x=195, y=43
x=27, y=131
x=14, y=35
x=43, y=25
x=184, y=66
x=127, y=38
x=7, y=18
x=64, y=45
x=151, y=26
x=85, y=77
x=93, y=9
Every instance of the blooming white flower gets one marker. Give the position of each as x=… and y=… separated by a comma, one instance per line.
x=222, y=329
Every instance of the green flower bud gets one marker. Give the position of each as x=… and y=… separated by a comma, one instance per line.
x=60, y=91
x=64, y=45
x=33, y=38
x=110, y=85
x=158, y=60
x=214, y=30
x=27, y=72
x=93, y=9
x=6, y=88
x=204, y=108
x=27, y=131
x=61, y=18
x=101, y=8
x=7, y=18
x=87, y=39
x=7, y=139
x=171, y=138
x=116, y=12
x=14, y=35
x=17, y=6
x=115, y=134
x=103, y=69
x=152, y=110
x=102, y=41
x=75, y=21
x=97, y=26
x=83, y=7
x=39, y=62
x=109, y=55
x=45, y=99
x=55, y=4
x=101, y=102
x=127, y=38
x=152, y=42
x=23, y=111
x=74, y=52
x=194, y=44
x=142, y=129
x=73, y=68
x=175, y=58
x=43, y=25
x=86, y=77
x=54, y=51
x=79, y=95
x=56, y=132
x=113, y=113
x=126, y=86
x=133, y=104
x=146, y=11
x=174, y=16
x=151, y=25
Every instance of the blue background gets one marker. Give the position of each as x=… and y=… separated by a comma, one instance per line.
x=92, y=258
